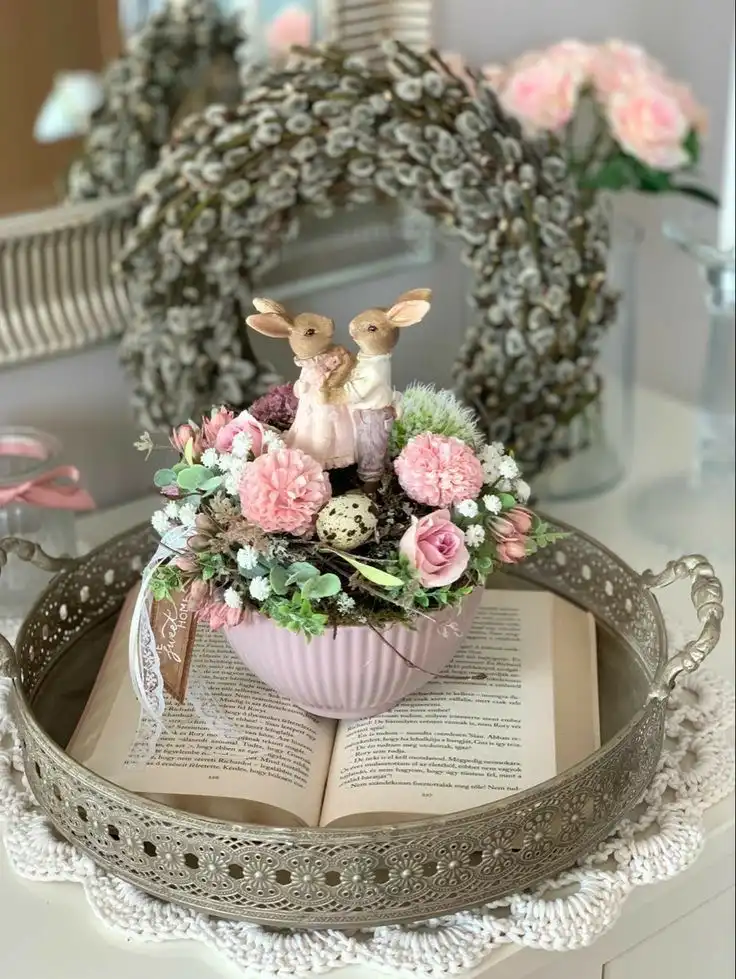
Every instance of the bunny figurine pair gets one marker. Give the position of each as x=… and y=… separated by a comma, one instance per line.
x=346, y=404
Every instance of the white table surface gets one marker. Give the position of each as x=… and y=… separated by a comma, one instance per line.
x=47, y=931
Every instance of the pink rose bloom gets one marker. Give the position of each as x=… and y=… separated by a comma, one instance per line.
x=438, y=470
x=615, y=64
x=574, y=52
x=283, y=491
x=541, y=91
x=212, y=426
x=185, y=561
x=181, y=436
x=292, y=27
x=218, y=615
x=244, y=422
x=510, y=530
x=436, y=549
x=521, y=520
x=198, y=594
x=648, y=121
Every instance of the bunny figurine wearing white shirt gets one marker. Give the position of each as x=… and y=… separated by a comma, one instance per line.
x=368, y=390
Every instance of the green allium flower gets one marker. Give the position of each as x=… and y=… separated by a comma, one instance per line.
x=424, y=409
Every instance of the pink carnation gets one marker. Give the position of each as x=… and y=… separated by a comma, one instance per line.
x=649, y=121
x=542, y=89
x=218, y=615
x=282, y=491
x=212, y=426
x=436, y=549
x=438, y=470
x=245, y=422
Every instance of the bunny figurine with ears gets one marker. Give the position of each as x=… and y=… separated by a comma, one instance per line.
x=369, y=391
x=322, y=429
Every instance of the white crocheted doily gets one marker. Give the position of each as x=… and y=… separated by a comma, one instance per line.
x=661, y=838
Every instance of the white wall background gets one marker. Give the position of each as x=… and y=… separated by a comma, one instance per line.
x=83, y=398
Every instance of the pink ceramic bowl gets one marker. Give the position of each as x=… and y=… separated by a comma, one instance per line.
x=352, y=673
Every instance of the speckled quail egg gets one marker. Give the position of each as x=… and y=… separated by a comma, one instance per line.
x=347, y=521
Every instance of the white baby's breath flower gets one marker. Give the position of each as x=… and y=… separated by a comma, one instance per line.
x=160, y=522
x=172, y=510
x=522, y=490
x=345, y=603
x=231, y=482
x=260, y=588
x=187, y=514
x=242, y=444
x=210, y=458
x=508, y=468
x=247, y=557
x=225, y=461
x=492, y=503
x=467, y=508
x=232, y=598
x=272, y=441
x=475, y=535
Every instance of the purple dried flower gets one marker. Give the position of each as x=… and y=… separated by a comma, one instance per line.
x=277, y=407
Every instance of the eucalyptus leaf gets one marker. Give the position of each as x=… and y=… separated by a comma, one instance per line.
x=376, y=575
x=178, y=467
x=164, y=477
x=507, y=500
x=194, y=477
x=211, y=484
x=278, y=578
x=323, y=586
x=301, y=571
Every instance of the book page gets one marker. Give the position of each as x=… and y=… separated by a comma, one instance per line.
x=275, y=755
x=456, y=744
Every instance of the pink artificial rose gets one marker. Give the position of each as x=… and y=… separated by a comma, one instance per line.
x=198, y=594
x=435, y=548
x=181, y=436
x=510, y=531
x=185, y=561
x=212, y=426
x=614, y=65
x=282, y=491
x=541, y=91
x=521, y=519
x=218, y=615
x=292, y=27
x=648, y=121
x=244, y=422
x=438, y=470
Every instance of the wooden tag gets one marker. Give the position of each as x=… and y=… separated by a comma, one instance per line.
x=174, y=627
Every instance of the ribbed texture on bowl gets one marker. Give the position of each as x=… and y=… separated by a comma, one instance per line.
x=354, y=672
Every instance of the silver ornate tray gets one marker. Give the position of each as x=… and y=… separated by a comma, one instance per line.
x=347, y=877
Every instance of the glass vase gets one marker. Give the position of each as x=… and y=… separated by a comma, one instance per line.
x=601, y=436
x=694, y=509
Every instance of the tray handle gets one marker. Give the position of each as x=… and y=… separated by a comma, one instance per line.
x=32, y=553
x=706, y=592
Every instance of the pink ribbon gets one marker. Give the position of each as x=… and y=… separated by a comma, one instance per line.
x=48, y=492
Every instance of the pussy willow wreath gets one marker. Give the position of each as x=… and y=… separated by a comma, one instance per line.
x=147, y=88
x=329, y=132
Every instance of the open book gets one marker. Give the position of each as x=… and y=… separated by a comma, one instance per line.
x=455, y=744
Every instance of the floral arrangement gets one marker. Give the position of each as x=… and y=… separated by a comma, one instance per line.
x=624, y=123
x=263, y=528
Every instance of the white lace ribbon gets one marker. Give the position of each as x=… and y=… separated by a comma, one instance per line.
x=143, y=658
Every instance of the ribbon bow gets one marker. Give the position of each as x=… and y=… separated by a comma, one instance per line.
x=57, y=489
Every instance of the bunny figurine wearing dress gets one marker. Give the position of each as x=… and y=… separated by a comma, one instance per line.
x=368, y=391
x=322, y=428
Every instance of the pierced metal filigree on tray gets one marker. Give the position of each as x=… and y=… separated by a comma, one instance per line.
x=412, y=871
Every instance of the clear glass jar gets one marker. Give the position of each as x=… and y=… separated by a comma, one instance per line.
x=601, y=437
x=27, y=455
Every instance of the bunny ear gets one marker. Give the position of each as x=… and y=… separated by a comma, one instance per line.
x=269, y=324
x=270, y=306
x=407, y=312
x=425, y=295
